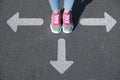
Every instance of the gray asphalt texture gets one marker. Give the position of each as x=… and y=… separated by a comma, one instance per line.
x=25, y=55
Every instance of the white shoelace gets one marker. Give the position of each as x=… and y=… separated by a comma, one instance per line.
x=67, y=19
x=56, y=19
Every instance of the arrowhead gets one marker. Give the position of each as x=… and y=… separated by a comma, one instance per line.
x=61, y=66
x=110, y=22
x=13, y=22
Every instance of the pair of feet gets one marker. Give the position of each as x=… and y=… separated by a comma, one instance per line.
x=57, y=27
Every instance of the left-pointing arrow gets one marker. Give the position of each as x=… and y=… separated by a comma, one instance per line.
x=15, y=21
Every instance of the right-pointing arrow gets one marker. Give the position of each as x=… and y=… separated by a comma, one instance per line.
x=61, y=65
x=108, y=21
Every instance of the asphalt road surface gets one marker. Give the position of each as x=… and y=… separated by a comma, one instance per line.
x=26, y=54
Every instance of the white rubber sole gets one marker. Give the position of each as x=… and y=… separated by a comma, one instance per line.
x=68, y=31
x=55, y=31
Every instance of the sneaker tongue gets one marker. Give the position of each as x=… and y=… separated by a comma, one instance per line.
x=67, y=19
x=56, y=19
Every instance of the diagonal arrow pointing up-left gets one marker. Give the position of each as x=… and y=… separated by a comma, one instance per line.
x=15, y=21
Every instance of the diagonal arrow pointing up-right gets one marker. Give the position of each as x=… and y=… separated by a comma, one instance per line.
x=108, y=21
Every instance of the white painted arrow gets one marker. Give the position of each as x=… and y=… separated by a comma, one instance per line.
x=61, y=65
x=107, y=21
x=15, y=21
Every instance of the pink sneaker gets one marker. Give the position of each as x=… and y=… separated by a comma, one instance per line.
x=55, y=25
x=67, y=23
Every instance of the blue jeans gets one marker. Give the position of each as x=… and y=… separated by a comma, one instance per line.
x=55, y=4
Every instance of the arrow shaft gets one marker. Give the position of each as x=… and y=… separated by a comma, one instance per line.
x=61, y=50
x=93, y=21
x=32, y=21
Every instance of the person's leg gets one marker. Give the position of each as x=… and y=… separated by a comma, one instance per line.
x=67, y=16
x=68, y=4
x=55, y=5
x=55, y=25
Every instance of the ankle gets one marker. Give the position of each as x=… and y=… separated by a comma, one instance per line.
x=56, y=11
x=66, y=11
